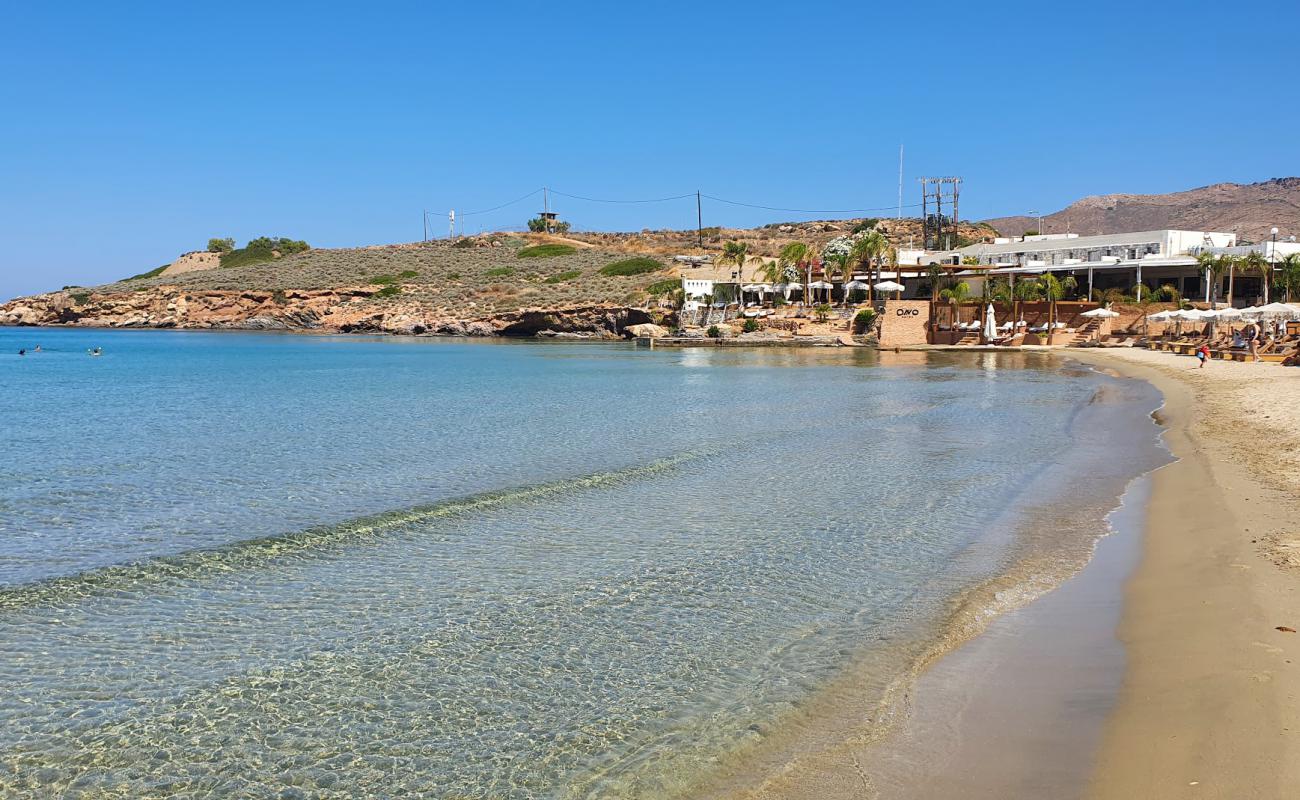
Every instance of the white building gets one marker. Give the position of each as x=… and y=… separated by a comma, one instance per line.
x=1058, y=249
x=1112, y=260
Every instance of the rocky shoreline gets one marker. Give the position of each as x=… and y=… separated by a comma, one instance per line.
x=345, y=310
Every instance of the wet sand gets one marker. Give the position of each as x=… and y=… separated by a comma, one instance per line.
x=1210, y=703
x=1019, y=711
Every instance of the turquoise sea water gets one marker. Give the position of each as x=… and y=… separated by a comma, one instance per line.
x=251, y=565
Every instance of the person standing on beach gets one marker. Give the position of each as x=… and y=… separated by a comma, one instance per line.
x=1251, y=335
x=1203, y=354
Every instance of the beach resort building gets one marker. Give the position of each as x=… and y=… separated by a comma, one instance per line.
x=1104, y=261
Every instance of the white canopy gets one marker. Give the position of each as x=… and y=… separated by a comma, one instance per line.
x=1100, y=313
x=1228, y=313
x=1273, y=311
x=821, y=285
x=756, y=287
x=853, y=286
x=1191, y=315
x=1160, y=316
x=889, y=286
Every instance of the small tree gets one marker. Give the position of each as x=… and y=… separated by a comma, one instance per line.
x=1290, y=275
x=956, y=295
x=735, y=253
x=1256, y=263
x=865, y=320
x=539, y=225
x=221, y=245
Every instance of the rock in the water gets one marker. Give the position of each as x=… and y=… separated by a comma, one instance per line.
x=646, y=329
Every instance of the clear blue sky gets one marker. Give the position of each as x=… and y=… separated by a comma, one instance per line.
x=133, y=132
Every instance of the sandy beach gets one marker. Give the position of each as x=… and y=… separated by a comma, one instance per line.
x=1210, y=704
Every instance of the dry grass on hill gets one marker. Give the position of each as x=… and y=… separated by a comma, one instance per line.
x=434, y=274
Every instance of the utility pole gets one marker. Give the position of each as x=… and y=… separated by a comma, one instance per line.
x=451, y=224
x=900, y=181
x=546, y=209
x=699, y=220
x=426, y=226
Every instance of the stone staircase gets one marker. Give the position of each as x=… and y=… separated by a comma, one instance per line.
x=1085, y=334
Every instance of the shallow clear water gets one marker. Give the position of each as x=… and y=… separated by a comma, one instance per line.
x=241, y=564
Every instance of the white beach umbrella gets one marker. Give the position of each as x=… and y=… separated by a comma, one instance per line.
x=1161, y=316
x=1278, y=311
x=1100, y=313
x=990, y=324
x=853, y=286
x=821, y=285
x=888, y=286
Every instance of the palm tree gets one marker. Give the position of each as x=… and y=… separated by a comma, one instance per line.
x=937, y=274
x=1255, y=262
x=1290, y=274
x=794, y=256
x=735, y=253
x=868, y=249
x=955, y=295
x=1210, y=264
x=1055, y=289
x=841, y=264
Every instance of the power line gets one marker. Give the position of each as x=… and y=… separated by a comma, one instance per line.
x=687, y=196
x=600, y=200
x=503, y=205
x=808, y=210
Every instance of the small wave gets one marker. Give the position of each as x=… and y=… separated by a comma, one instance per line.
x=244, y=553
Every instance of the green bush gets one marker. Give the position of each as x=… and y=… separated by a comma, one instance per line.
x=823, y=312
x=453, y=276
x=388, y=291
x=153, y=273
x=500, y=272
x=538, y=225
x=407, y=274
x=664, y=286
x=278, y=297
x=561, y=277
x=382, y=280
x=714, y=332
x=631, y=266
x=221, y=245
x=750, y=325
x=261, y=250
x=463, y=243
x=547, y=251
x=80, y=298
x=865, y=320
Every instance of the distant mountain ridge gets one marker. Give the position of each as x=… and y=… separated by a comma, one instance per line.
x=1250, y=210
